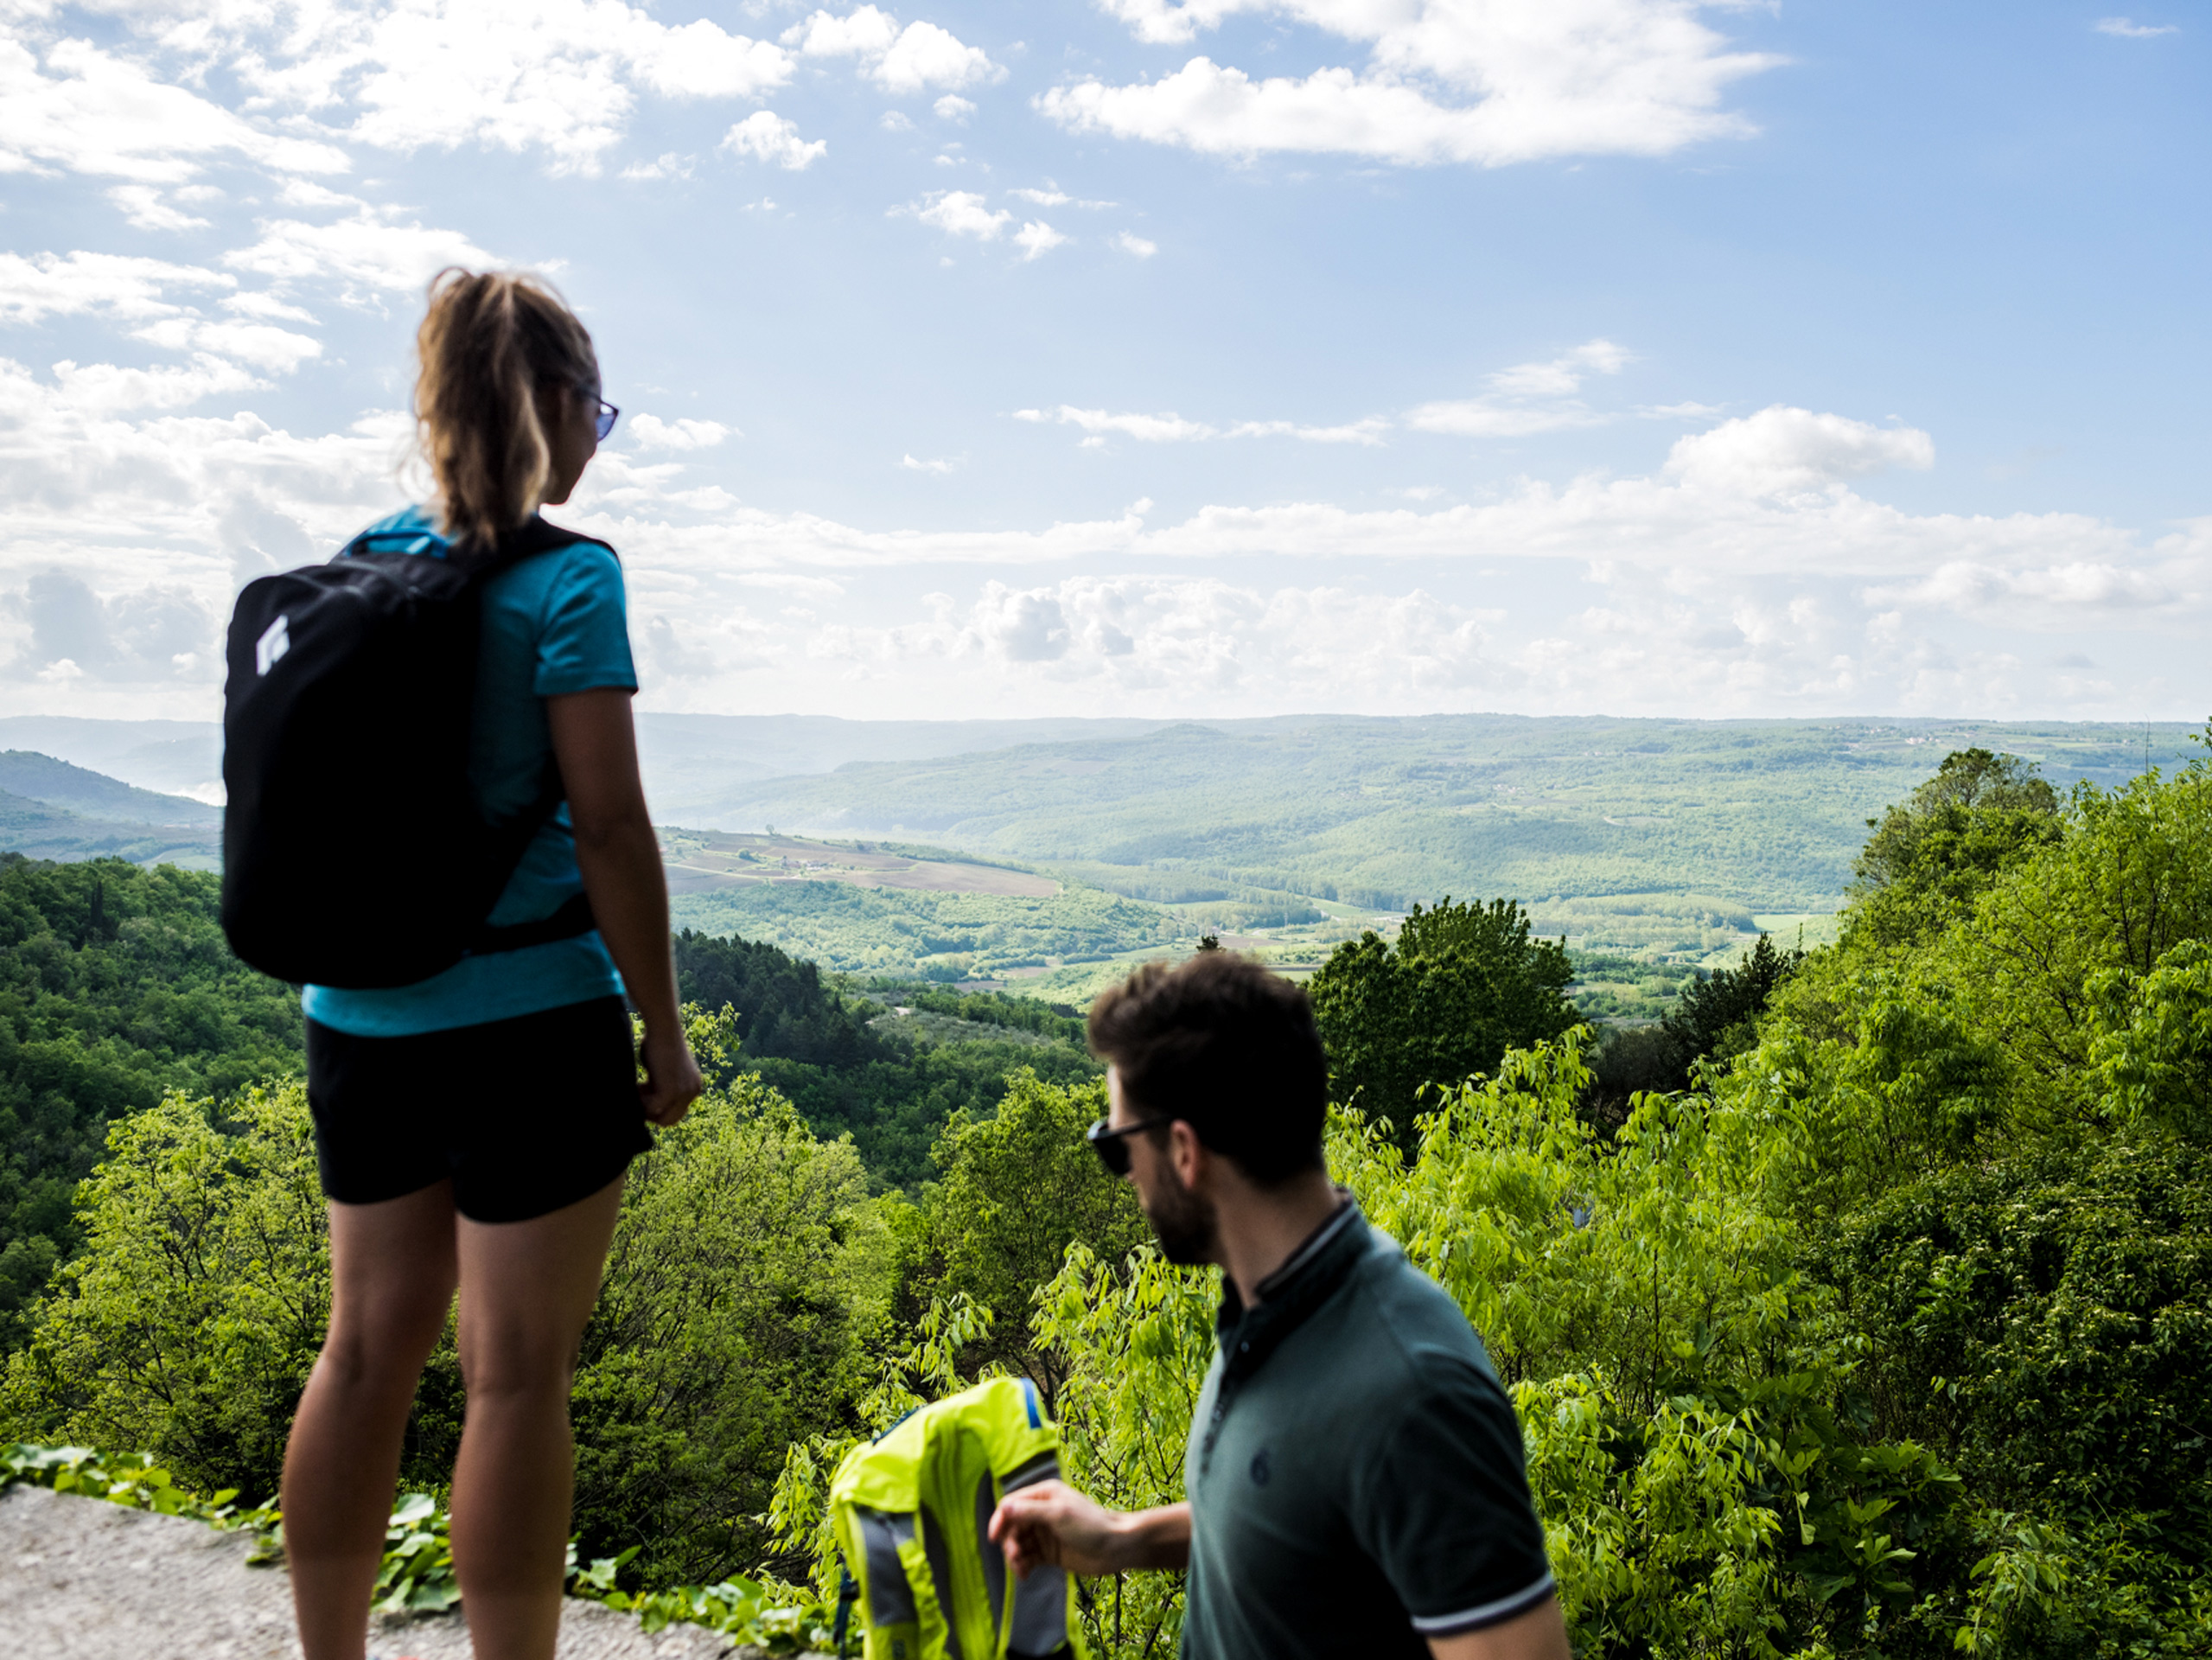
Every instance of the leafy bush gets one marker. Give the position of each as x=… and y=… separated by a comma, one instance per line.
x=116, y=987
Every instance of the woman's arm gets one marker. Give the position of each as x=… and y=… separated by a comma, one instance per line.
x=620, y=858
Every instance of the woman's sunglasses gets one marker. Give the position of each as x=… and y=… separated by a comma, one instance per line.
x=1112, y=1150
x=603, y=422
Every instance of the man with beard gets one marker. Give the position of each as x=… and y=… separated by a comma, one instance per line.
x=1353, y=1468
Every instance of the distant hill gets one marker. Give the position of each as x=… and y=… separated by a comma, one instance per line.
x=177, y=757
x=41, y=831
x=1688, y=824
x=687, y=759
x=95, y=795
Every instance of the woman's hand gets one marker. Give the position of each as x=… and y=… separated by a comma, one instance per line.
x=672, y=1077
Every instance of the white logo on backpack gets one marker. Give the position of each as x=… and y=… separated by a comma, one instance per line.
x=276, y=640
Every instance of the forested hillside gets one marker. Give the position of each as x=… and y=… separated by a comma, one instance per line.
x=1660, y=828
x=853, y=1063
x=1883, y=1328
x=116, y=987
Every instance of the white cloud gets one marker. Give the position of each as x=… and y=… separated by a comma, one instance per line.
x=901, y=60
x=1782, y=450
x=2128, y=29
x=1036, y=237
x=940, y=466
x=1527, y=397
x=925, y=56
x=1512, y=80
x=864, y=32
x=113, y=284
x=1130, y=243
x=92, y=112
x=108, y=389
x=258, y=343
x=142, y=205
x=961, y=213
x=650, y=432
x=267, y=307
x=667, y=165
x=954, y=107
x=2052, y=595
x=367, y=249
x=556, y=76
x=897, y=121
x=768, y=137
x=1368, y=431
x=1042, y=198
x=1171, y=428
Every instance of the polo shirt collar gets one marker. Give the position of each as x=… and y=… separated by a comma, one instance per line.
x=1306, y=1280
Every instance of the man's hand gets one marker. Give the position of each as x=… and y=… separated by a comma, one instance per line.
x=1052, y=1524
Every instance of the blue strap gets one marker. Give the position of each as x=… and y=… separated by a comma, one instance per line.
x=848, y=1594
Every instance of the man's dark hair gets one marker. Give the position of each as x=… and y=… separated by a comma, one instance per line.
x=1227, y=1046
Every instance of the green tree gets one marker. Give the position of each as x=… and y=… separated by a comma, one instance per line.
x=187, y=1326
x=116, y=987
x=1933, y=853
x=748, y=1267
x=1018, y=1189
x=1462, y=984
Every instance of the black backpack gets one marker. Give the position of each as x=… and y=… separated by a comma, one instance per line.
x=354, y=853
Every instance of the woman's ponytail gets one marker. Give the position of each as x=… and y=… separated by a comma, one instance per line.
x=492, y=350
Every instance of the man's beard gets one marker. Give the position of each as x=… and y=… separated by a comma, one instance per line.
x=1185, y=1224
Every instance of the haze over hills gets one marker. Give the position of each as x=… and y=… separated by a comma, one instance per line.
x=1676, y=838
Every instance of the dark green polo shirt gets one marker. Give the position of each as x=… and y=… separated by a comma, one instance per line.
x=1355, y=1469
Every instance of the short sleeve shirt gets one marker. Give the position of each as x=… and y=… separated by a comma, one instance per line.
x=1355, y=1469
x=553, y=624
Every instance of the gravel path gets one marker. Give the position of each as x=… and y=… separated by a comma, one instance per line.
x=84, y=1579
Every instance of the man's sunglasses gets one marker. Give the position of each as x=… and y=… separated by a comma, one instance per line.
x=603, y=422
x=1112, y=1150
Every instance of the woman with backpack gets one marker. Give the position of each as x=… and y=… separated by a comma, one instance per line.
x=472, y=1128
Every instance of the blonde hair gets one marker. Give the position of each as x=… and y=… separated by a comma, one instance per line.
x=490, y=347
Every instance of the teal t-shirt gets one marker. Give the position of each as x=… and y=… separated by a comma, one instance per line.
x=553, y=624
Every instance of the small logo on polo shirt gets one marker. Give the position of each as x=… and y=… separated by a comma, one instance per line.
x=1260, y=1469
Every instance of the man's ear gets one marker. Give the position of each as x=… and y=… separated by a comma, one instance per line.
x=1187, y=1153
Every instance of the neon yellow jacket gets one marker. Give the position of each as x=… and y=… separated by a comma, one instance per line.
x=912, y=1512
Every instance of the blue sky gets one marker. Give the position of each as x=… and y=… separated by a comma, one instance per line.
x=1231, y=358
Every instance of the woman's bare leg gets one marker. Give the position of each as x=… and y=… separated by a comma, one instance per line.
x=393, y=1271
x=526, y=1290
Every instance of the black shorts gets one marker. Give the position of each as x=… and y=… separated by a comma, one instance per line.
x=523, y=1116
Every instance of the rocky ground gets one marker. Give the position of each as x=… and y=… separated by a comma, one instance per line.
x=81, y=1580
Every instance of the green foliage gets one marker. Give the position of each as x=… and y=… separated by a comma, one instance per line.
x=887, y=930
x=1932, y=856
x=189, y=1323
x=116, y=987
x=1714, y=1017
x=747, y=1266
x=1986, y=1133
x=1462, y=984
x=1018, y=1188
x=1054, y=1021
x=1133, y=1337
x=890, y=1088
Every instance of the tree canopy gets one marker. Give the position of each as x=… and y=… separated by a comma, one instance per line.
x=1460, y=984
